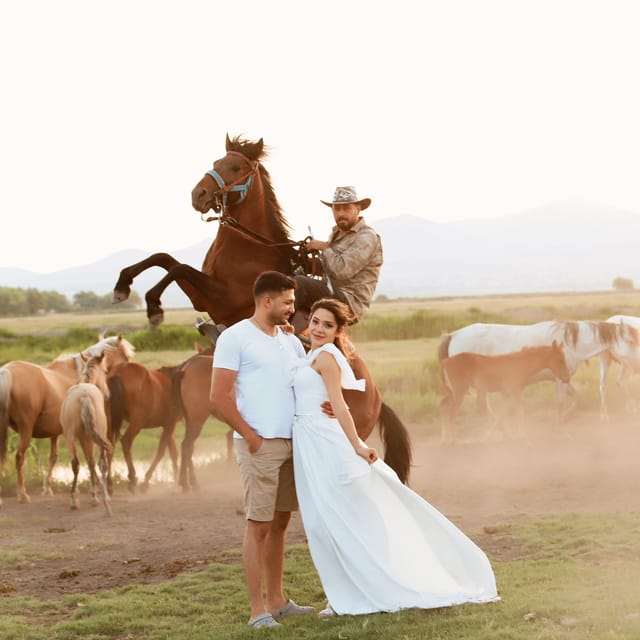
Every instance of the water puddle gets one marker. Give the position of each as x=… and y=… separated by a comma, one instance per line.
x=162, y=473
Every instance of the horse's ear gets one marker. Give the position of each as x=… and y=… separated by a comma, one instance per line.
x=227, y=143
x=260, y=146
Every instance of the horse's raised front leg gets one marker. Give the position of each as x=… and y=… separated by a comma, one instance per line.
x=122, y=289
x=202, y=290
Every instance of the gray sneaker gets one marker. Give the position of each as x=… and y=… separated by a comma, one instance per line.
x=264, y=621
x=291, y=609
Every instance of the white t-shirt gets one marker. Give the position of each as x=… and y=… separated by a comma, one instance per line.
x=264, y=393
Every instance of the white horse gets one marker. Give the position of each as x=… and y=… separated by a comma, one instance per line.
x=628, y=366
x=581, y=340
x=84, y=421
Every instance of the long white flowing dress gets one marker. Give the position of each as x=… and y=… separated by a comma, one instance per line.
x=376, y=544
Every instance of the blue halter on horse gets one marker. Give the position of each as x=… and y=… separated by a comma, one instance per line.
x=237, y=186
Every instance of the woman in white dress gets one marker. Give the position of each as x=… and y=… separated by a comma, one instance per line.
x=376, y=544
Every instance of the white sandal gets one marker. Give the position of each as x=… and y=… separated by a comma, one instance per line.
x=327, y=612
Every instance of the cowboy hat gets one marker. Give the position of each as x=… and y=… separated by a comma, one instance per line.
x=347, y=195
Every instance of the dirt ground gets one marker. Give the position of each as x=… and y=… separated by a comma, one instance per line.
x=579, y=467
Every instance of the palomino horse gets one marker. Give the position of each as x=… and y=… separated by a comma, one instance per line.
x=508, y=374
x=145, y=398
x=84, y=421
x=31, y=397
x=629, y=365
x=253, y=237
x=581, y=341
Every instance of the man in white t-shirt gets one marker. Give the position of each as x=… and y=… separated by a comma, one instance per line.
x=251, y=391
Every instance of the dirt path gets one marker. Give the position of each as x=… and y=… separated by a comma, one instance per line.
x=154, y=536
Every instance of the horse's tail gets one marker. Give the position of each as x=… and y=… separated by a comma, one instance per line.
x=116, y=405
x=397, y=443
x=443, y=347
x=88, y=419
x=5, y=397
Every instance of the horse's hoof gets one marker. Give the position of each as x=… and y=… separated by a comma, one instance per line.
x=156, y=319
x=119, y=295
x=24, y=498
x=144, y=487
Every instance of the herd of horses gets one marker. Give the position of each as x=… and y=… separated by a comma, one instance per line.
x=87, y=397
x=506, y=358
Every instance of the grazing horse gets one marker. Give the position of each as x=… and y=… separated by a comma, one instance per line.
x=253, y=236
x=146, y=399
x=31, y=397
x=508, y=374
x=629, y=365
x=84, y=421
x=581, y=341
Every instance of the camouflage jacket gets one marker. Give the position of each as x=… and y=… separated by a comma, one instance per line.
x=353, y=263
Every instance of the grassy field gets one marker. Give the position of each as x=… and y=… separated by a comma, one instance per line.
x=569, y=577
x=521, y=307
x=561, y=577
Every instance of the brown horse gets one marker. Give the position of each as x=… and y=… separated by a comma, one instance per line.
x=146, y=398
x=31, y=397
x=253, y=236
x=84, y=421
x=507, y=373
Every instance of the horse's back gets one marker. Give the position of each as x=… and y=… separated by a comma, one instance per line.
x=498, y=339
x=36, y=394
x=507, y=372
x=145, y=390
x=633, y=321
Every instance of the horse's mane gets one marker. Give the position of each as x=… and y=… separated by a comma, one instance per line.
x=610, y=332
x=257, y=151
x=604, y=332
x=89, y=367
x=109, y=344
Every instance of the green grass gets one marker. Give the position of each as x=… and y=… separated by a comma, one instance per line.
x=569, y=577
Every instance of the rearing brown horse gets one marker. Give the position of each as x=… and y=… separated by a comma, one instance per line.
x=253, y=237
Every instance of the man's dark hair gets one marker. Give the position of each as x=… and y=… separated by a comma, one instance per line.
x=272, y=282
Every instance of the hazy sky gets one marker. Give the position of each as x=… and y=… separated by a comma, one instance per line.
x=111, y=112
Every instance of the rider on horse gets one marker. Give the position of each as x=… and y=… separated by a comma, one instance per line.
x=351, y=259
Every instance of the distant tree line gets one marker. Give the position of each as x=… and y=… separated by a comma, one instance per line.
x=30, y=302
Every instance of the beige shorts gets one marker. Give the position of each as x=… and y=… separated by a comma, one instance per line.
x=267, y=478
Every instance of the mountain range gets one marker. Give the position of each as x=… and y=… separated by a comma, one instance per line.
x=558, y=247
